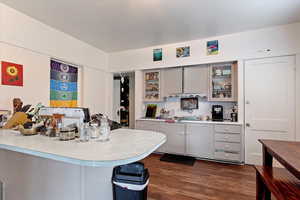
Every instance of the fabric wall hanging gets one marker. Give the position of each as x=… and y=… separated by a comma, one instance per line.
x=12, y=74
x=63, y=85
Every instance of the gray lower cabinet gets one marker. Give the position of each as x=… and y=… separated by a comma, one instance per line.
x=207, y=141
x=229, y=143
x=200, y=140
x=175, y=133
x=152, y=126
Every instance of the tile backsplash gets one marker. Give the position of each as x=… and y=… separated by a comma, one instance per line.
x=204, y=108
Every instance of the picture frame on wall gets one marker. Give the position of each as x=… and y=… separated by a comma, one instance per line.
x=183, y=52
x=11, y=74
x=212, y=47
x=157, y=54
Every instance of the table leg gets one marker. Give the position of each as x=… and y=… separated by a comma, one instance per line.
x=267, y=158
x=262, y=192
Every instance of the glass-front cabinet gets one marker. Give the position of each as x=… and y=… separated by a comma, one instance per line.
x=223, y=82
x=152, y=86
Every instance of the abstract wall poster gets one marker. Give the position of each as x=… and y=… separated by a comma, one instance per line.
x=212, y=47
x=182, y=52
x=63, y=85
x=157, y=54
x=12, y=74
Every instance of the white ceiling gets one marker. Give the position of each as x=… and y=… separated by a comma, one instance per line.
x=115, y=25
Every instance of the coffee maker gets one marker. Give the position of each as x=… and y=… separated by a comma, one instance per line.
x=217, y=113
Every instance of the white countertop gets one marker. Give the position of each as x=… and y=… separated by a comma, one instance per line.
x=193, y=121
x=125, y=146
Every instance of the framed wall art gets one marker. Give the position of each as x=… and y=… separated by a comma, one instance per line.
x=213, y=47
x=182, y=52
x=11, y=74
x=157, y=54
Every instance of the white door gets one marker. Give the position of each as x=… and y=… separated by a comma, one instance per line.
x=269, y=103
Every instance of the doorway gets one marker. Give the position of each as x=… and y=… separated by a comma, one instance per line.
x=123, y=99
x=269, y=103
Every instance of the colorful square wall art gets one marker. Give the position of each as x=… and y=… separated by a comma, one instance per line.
x=182, y=52
x=212, y=47
x=63, y=85
x=12, y=74
x=157, y=54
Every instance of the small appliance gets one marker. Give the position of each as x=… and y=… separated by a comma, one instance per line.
x=217, y=113
x=71, y=115
x=190, y=103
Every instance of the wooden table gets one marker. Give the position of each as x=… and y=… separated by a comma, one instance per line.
x=283, y=183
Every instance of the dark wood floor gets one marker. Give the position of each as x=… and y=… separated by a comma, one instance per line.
x=203, y=181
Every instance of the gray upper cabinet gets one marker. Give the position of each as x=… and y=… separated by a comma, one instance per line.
x=171, y=81
x=196, y=79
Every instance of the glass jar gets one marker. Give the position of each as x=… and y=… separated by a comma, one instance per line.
x=94, y=130
x=104, y=130
x=84, y=132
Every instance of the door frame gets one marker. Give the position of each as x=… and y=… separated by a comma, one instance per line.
x=297, y=96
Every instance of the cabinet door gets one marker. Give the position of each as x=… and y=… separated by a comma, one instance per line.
x=223, y=82
x=196, y=79
x=175, y=138
x=172, y=81
x=152, y=86
x=152, y=126
x=200, y=140
x=146, y=125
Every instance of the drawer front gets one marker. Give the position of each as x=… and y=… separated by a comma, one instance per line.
x=219, y=137
x=226, y=156
x=228, y=129
x=231, y=147
x=147, y=125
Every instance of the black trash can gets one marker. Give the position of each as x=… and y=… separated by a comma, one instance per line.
x=130, y=182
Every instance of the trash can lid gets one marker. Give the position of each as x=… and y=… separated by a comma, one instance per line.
x=134, y=173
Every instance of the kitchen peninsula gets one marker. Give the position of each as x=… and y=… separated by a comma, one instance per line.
x=39, y=167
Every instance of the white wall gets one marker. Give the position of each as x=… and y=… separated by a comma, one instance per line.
x=139, y=85
x=31, y=43
x=36, y=73
x=24, y=31
x=281, y=40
